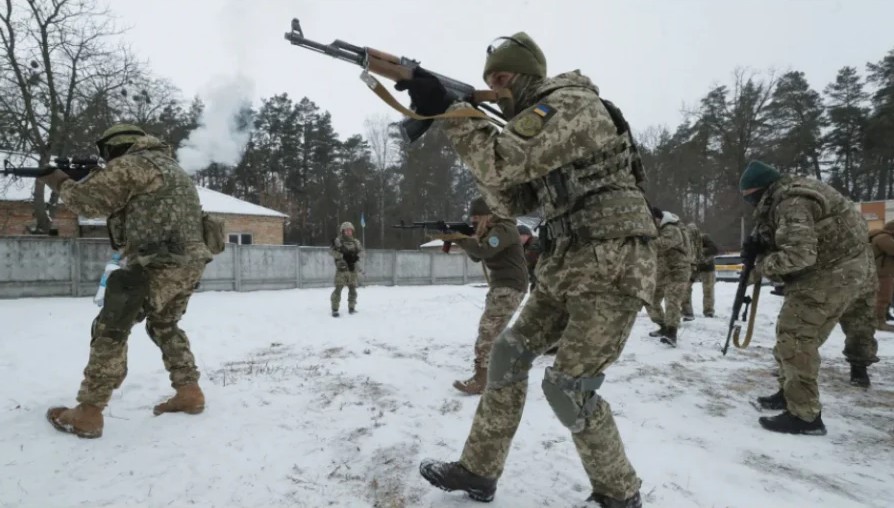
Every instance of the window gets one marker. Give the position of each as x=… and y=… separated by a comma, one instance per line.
x=240, y=238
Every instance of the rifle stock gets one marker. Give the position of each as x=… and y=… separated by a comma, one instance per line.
x=742, y=299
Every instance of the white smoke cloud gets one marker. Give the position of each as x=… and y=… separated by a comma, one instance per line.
x=219, y=137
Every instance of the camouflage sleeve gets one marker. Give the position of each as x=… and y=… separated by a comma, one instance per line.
x=568, y=125
x=335, y=250
x=496, y=240
x=669, y=238
x=709, y=248
x=108, y=190
x=795, y=238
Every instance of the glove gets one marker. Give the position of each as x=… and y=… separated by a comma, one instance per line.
x=427, y=93
x=751, y=249
x=448, y=237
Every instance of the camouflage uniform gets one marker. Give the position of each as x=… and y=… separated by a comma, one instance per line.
x=674, y=272
x=155, y=216
x=499, y=247
x=704, y=250
x=346, y=250
x=694, y=237
x=816, y=244
x=566, y=153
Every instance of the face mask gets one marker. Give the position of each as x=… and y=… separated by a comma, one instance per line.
x=518, y=89
x=755, y=197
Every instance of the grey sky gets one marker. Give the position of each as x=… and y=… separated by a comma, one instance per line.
x=650, y=57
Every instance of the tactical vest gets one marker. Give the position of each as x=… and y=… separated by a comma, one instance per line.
x=598, y=197
x=840, y=229
x=164, y=227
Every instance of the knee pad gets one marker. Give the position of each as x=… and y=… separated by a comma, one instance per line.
x=126, y=293
x=573, y=400
x=510, y=360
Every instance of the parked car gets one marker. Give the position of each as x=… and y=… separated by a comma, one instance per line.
x=728, y=267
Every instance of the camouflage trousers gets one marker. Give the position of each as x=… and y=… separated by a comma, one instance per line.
x=499, y=306
x=809, y=313
x=344, y=278
x=133, y=293
x=585, y=301
x=671, y=288
x=707, y=279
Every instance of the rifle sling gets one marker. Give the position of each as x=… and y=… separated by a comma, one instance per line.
x=752, y=315
x=389, y=99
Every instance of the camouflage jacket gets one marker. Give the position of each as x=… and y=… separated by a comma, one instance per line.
x=346, y=250
x=673, y=245
x=882, y=241
x=709, y=250
x=807, y=227
x=151, y=204
x=501, y=250
x=562, y=153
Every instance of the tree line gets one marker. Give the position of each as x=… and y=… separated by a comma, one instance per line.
x=65, y=76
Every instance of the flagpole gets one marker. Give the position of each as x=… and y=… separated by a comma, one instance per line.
x=363, y=228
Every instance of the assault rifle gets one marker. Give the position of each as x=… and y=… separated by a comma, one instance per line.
x=441, y=227
x=399, y=68
x=741, y=300
x=76, y=168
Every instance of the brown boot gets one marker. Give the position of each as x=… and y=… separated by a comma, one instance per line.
x=82, y=420
x=188, y=399
x=475, y=384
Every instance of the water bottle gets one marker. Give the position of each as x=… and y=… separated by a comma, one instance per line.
x=111, y=266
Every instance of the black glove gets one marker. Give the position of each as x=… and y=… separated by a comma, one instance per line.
x=751, y=249
x=427, y=93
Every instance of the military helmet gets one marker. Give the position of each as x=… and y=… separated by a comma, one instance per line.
x=346, y=225
x=119, y=134
x=518, y=53
x=479, y=207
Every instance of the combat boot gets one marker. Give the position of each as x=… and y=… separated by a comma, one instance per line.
x=452, y=476
x=670, y=336
x=775, y=401
x=688, y=317
x=634, y=501
x=659, y=332
x=709, y=313
x=859, y=376
x=790, y=424
x=335, y=313
x=475, y=384
x=352, y=310
x=188, y=399
x=83, y=420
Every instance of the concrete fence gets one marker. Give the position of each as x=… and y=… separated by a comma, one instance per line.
x=31, y=267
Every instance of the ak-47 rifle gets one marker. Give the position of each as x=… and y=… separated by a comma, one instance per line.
x=743, y=299
x=399, y=68
x=76, y=168
x=441, y=227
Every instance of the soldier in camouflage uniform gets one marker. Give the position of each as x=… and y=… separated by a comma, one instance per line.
x=569, y=152
x=498, y=246
x=810, y=237
x=154, y=214
x=704, y=249
x=346, y=250
x=674, y=272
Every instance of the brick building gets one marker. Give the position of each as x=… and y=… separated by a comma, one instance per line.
x=246, y=223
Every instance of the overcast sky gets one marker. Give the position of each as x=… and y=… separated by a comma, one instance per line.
x=650, y=57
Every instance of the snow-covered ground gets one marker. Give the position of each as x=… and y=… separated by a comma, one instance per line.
x=306, y=411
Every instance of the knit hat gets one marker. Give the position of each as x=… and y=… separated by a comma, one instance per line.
x=518, y=53
x=479, y=207
x=758, y=175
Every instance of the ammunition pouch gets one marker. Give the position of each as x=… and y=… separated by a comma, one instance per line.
x=126, y=293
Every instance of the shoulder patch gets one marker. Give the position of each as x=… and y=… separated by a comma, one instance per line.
x=531, y=122
x=493, y=241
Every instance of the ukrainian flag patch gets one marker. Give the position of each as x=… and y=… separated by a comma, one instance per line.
x=543, y=110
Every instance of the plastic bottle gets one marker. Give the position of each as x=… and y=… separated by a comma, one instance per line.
x=111, y=266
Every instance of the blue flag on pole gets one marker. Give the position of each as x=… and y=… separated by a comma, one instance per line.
x=362, y=220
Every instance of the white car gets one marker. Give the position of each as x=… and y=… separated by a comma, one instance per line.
x=728, y=267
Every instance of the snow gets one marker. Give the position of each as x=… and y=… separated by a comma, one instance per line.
x=304, y=410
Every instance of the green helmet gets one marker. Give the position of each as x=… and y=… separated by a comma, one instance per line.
x=120, y=134
x=518, y=53
x=346, y=225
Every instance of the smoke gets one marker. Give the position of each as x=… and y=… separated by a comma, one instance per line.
x=223, y=127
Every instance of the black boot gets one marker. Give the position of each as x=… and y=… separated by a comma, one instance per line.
x=659, y=332
x=688, y=317
x=859, y=376
x=352, y=310
x=335, y=313
x=452, y=476
x=790, y=424
x=634, y=501
x=670, y=336
x=775, y=401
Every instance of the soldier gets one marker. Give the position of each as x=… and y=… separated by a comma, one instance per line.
x=882, y=241
x=694, y=238
x=498, y=245
x=531, y=246
x=674, y=271
x=571, y=153
x=154, y=214
x=346, y=250
x=813, y=239
x=705, y=250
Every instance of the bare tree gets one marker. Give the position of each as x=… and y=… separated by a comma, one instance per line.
x=384, y=155
x=58, y=56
